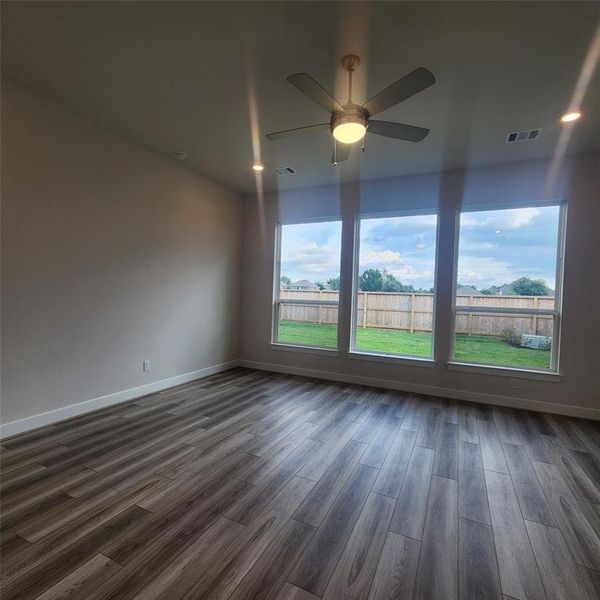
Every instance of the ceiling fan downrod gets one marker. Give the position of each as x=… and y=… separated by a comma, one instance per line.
x=351, y=62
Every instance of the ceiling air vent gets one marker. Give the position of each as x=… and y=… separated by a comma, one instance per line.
x=523, y=135
x=285, y=171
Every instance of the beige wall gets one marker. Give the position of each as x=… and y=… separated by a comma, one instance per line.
x=111, y=255
x=578, y=180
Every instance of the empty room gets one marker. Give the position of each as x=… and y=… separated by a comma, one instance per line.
x=300, y=300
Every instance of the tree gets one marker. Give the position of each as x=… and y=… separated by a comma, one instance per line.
x=285, y=281
x=393, y=284
x=374, y=280
x=320, y=285
x=334, y=283
x=371, y=280
x=524, y=286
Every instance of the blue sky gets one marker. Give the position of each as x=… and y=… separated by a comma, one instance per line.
x=311, y=250
x=496, y=247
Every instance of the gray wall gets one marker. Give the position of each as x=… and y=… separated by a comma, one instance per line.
x=111, y=254
x=577, y=180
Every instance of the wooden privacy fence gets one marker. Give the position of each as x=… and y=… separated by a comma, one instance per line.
x=414, y=312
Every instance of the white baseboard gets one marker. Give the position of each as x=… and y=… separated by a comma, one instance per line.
x=430, y=390
x=74, y=410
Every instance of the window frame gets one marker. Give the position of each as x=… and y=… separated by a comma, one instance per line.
x=277, y=302
x=556, y=312
x=409, y=359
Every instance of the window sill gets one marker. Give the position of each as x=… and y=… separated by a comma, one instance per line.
x=392, y=359
x=304, y=349
x=504, y=371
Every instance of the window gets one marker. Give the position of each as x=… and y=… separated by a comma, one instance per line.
x=394, y=285
x=307, y=283
x=508, y=288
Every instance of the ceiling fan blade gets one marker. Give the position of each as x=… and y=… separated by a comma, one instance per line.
x=404, y=88
x=341, y=153
x=315, y=91
x=399, y=131
x=279, y=135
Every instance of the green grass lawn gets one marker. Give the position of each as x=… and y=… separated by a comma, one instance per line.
x=388, y=341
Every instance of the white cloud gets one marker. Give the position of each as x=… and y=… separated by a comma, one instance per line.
x=412, y=270
x=408, y=274
x=308, y=247
x=311, y=260
x=484, y=270
x=513, y=218
x=384, y=257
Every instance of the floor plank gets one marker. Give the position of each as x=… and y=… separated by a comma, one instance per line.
x=83, y=580
x=478, y=569
x=559, y=575
x=582, y=541
x=268, y=574
x=397, y=568
x=472, y=495
x=532, y=501
x=354, y=573
x=409, y=515
x=437, y=575
x=318, y=562
x=391, y=474
x=518, y=570
x=328, y=488
x=491, y=448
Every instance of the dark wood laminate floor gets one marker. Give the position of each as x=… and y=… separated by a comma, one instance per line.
x=256, y=485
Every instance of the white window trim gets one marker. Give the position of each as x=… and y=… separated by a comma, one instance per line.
x=503, y=371
x=275, y=344
x=553, y=372
x=304, y=349
x=395, y=359
x=361, y=354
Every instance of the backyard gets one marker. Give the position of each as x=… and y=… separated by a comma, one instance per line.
x=388, y=341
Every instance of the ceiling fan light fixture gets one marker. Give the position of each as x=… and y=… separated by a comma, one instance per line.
x=350, y=126
x=348, y=133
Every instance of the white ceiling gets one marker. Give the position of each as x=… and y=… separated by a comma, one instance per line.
x=185, y=76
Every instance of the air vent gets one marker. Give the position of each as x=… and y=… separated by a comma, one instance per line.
x=524, y=135
x=285, y=171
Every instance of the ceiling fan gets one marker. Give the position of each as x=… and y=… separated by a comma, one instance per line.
x=350, y=122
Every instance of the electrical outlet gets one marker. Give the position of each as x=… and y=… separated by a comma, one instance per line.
x=146, y=365
x=513, y=384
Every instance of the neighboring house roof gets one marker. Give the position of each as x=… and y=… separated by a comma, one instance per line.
x=467, y=290
x=304, y=284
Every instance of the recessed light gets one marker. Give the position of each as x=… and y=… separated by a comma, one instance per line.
x=570, y=117
x=258, y=167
